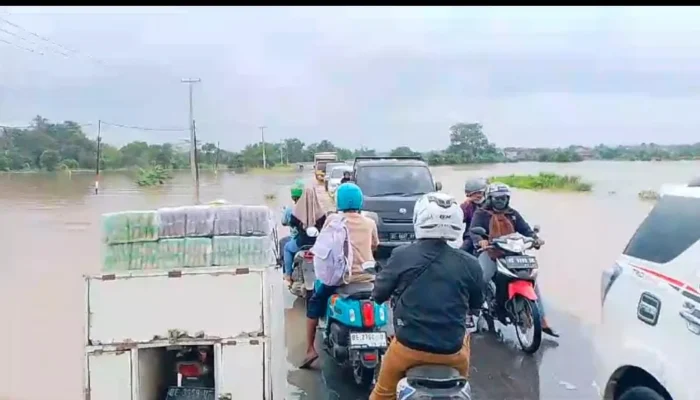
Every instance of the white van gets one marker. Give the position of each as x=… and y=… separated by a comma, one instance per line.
x=648, y=345
x=139, y=323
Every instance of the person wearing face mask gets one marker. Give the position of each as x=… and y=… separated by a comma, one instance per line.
x=474, y=190
x=497, y=218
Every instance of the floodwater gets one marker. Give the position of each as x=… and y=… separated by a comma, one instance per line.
x=51, y=236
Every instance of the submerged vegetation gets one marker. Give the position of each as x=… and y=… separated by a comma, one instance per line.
x=649, y=195
x=153, y=176
x=545, y=181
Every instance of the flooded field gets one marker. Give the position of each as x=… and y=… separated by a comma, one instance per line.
x=51, y=236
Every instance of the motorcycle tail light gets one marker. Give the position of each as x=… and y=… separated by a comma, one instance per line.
x=189, y=370
x=367, y=310
x=308, y=256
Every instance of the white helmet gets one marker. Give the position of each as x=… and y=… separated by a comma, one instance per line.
x=437, y=216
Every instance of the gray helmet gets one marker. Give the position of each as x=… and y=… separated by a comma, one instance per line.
x=475, y=185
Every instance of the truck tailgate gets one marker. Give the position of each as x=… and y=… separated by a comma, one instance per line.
x=202, y=303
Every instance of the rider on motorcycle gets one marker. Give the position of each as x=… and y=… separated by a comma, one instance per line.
x=296, y=192
x=434, y=287
x=474, y=190
x=497, y=218
x=307, y=212
x=347, y=177
x=363, y=239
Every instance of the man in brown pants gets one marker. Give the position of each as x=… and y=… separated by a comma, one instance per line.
x=434, y=288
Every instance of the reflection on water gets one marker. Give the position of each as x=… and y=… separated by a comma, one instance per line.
x=51, y=236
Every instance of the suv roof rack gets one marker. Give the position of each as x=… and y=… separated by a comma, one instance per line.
x=367, y=158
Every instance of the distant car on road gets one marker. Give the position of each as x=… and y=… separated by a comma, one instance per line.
x=648, y=345
x=336, y=175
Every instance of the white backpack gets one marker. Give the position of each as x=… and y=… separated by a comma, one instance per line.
x=332, y=252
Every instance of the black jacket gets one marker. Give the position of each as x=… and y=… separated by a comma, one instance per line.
x=302, y=238
x=482, y=219
x=432, y=307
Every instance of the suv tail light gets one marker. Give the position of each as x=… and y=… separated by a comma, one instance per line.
x=189, y=370
x=607, y=279
x=367, y=309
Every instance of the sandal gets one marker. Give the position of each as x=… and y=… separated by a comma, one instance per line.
x=307, y=362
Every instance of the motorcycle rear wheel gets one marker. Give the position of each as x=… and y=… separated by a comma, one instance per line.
x=528, y=309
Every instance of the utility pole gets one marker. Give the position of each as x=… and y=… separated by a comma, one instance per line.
x=262, y=137
x=196, y=165
x=193, y=145
x=281, y=153
x=99, y=156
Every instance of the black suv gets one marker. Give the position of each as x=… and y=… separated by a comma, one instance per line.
x=391, y=186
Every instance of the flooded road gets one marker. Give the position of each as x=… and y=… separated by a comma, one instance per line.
x=51, y=236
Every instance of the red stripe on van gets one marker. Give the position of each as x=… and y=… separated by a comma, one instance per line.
x=671, y=280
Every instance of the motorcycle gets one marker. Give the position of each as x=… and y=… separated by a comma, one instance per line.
x=303, y=275
x=435, y=381
x=510, y=296
x=194, y=367
x=353, y=334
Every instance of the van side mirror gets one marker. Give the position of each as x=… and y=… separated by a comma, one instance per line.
x=438, y=186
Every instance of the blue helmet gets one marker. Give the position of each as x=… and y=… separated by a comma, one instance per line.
x=348, y=197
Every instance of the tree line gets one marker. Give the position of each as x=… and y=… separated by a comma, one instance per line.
x=52, y=146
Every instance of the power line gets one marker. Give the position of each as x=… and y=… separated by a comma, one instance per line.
x=29, y=41
x=21, y=47
x=142, y=128
x=51, y=41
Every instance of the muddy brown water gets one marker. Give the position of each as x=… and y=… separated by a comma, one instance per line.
x=51, y=236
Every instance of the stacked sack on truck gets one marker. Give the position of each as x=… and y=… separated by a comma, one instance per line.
x=189, y=237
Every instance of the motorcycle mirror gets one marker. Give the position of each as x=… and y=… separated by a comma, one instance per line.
x=311, y=232
x=479, y=231
x=536, y=229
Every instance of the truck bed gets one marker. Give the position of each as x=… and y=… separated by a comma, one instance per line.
x=238, y=311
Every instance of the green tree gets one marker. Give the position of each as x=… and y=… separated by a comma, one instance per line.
x=468, y=144
x=294, y=149
x=70, y=163
x=403, y=151
x=49, y=159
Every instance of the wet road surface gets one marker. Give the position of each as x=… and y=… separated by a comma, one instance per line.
x=561, y=370
x=51, y=236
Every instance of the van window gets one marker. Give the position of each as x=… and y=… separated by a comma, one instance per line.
x=669, y=229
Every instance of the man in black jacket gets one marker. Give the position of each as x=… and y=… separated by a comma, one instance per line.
x=435, y=287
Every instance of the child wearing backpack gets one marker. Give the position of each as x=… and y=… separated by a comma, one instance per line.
x=348, y=239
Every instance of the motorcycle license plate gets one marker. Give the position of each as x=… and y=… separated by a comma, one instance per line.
x=368, y=340
x=521, y=262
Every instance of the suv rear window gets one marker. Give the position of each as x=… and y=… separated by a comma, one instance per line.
x=380, y=180
x=669, y=229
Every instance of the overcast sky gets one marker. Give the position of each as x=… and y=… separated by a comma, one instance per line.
x=376, y=76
